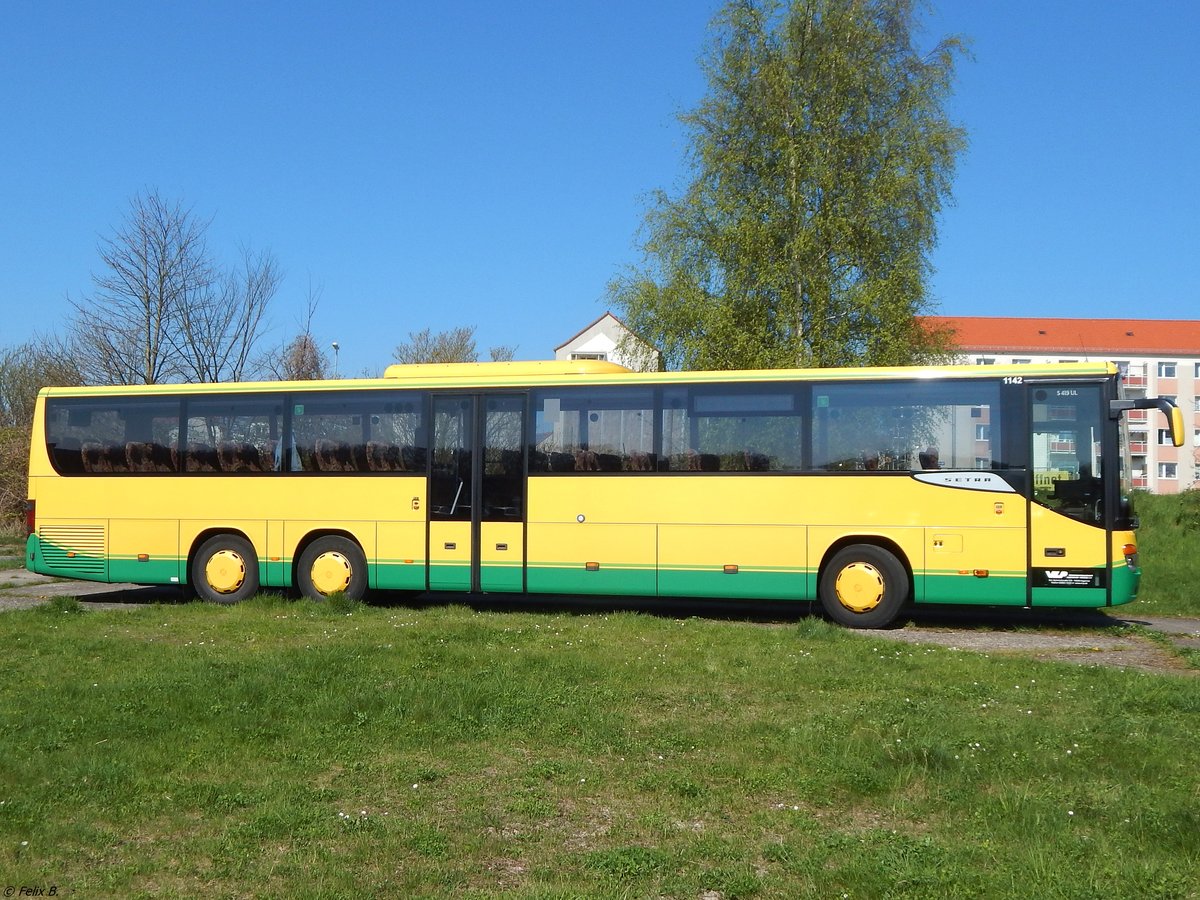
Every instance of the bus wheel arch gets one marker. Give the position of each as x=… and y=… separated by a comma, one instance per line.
x=864, y=582
x=223, y=567
x=329, y=562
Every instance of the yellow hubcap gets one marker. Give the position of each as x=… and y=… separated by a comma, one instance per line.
x=859, y=587
x=225, y=571
x=331, y=572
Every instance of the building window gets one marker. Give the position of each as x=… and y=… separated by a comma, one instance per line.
x=1164, y=437
x=1198, y=370
x=1196, y=438
x=983, y=432
x=1025, y=362
x=986, y=360
x=1166, y=370
x=600, y=356
x=1197, y=401
x=1168, y=470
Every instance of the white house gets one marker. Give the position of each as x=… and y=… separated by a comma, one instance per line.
x=608, y=339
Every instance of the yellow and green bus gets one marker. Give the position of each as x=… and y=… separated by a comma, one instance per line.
x=863, y=489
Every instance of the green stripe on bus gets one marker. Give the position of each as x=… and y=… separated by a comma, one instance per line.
x=608, y=579
x=746, y=584
x=399, y=576
x=996, y=589
x=151, y=571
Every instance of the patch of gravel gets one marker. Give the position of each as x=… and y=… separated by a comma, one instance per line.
x=1122, y=651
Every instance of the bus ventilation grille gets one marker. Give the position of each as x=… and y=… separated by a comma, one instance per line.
x=73, y=548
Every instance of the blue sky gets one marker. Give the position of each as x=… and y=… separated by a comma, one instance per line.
x=435, y=165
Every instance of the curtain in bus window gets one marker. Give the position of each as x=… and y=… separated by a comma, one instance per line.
x=113, y=435
x=741, y=428
x=363, y=431
x=601, y=429
x=906, y=426
x=234, y=435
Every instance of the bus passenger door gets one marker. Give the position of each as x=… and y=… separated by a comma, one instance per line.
x=477, y=494
x=451, y=494
x=1070, y=555
x=502, y=506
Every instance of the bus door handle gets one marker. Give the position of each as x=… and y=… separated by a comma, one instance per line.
x=1056, y=551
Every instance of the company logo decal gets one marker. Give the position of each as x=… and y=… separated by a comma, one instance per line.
x=1067, y=578
x=971, y=481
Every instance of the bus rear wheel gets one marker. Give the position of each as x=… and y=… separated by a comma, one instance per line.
x=332, y=565
x=225, y=569
x=863, y=586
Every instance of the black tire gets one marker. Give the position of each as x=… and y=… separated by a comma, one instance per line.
x=225, y=569
x=330, y=565
x=864, y=586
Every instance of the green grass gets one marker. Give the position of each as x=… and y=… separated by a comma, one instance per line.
x=1169, y=549
x=294, y=749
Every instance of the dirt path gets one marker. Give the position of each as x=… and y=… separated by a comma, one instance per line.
x=1085, y=637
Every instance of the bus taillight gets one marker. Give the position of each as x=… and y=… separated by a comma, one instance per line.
x=30, y=517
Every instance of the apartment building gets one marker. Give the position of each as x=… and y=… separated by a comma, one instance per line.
x=1159, y=358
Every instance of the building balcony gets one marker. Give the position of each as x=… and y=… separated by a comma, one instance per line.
x=1141, y=481
x=1137, y=415
x=1137, y=448
x=1062, y=446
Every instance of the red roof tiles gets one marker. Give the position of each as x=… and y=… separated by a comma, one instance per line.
x=1140, y=337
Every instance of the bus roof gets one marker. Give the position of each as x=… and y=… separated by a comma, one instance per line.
x=556, y=372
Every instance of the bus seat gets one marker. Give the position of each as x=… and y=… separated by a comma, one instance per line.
x=608, y=462
x=228, y=457
x=333, y=456
x=138, y=456
x=201, y=457
x=562, y=462
x=95, y=457
x=412, y=459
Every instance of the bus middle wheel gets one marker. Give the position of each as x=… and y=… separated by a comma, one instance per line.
x=332, y=565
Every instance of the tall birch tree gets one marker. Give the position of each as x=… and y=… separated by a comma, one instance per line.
x=819, y=161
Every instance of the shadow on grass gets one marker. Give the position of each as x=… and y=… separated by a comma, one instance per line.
x=761, y=612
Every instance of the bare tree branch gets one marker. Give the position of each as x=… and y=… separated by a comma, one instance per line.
x=301, y=358
x=162, y=310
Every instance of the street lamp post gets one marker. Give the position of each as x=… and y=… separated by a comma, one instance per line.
x=336, y=348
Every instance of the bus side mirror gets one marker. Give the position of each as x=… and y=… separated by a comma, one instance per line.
x=1173, y=413
x=1176, y=419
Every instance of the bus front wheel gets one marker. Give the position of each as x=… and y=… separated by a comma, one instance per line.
x=225, y=569
x=863, y=586
x=332, y=565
